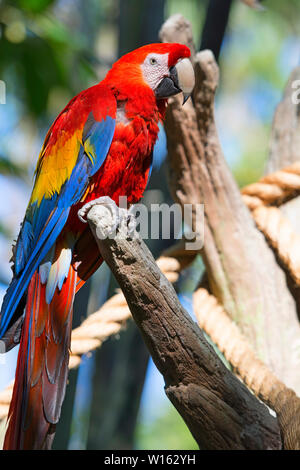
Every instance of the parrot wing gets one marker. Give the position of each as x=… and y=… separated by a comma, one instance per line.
x=74, y=150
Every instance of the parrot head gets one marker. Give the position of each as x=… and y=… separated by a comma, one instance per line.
x=164, y=68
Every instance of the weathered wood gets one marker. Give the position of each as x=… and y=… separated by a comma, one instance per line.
x=218, y=409
x=284, y=150
x=242, y=270
x=285, y=136
x=285, y=143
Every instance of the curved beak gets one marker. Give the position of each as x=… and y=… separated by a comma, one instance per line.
x=181, y=79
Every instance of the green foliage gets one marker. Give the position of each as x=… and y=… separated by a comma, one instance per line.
x=34, y=6
x=250, y=168
x=7, y=167
x=34, y=62
x=254, y=67
x=192, y=10
x=5, y=232
x=167, y=431
x=40, y=53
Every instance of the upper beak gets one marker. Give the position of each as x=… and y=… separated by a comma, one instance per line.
x=181, y=79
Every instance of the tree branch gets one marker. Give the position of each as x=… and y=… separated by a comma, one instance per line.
x=218, y=409
x=242, y=270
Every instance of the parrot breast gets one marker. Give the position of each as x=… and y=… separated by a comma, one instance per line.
x=126, y=168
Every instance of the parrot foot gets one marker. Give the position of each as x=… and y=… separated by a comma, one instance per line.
x=118, y=217
x=105, y=201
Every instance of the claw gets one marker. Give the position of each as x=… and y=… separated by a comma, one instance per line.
x=120, y=216
x=103, y=201
x=131, y=222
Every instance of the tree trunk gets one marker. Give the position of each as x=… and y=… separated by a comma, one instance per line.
x=242, y=270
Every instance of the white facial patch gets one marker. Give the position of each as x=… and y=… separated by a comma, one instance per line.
x=155, y=68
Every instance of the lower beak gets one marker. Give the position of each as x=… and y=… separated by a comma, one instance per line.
x=181, y=79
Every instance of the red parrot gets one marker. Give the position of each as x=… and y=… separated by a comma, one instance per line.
x=101, y=144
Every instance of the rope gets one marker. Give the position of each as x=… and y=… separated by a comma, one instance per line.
x=5, y=398
x=109, y=320
x=113, y=315
x=261, y=198
x=274, y=189
x=282, y=237
x=212, y=317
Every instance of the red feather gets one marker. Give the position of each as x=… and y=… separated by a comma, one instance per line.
x=42, y=367
x=44, y=349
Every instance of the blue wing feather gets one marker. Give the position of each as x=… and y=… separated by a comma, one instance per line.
x=43, y=224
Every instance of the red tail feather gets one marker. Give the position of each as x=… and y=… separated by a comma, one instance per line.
x=42, y=366
x=86, y=258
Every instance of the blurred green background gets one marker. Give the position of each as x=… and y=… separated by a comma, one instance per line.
x=49, y=51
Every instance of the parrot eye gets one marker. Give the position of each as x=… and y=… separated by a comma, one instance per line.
x=153, y=61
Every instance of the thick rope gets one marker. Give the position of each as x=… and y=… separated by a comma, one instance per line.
x=109, y=320
x=255, y=374
x=274, y=189
x=112, y=316
x=261, y=197
x=282, y=237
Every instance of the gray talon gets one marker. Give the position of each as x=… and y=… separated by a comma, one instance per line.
x=131, y=223
x=120, y=216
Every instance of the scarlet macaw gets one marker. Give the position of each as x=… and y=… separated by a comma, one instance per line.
x=101, y=144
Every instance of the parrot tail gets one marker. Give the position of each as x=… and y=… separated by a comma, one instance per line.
x=42, y=366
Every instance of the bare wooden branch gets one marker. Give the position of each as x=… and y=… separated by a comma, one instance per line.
x=285, y=151
x=285, y=136
x=242, y=270
x=178, y=29
x=218, y=409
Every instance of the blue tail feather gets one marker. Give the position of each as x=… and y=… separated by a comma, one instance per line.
x=19, y=285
